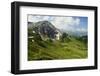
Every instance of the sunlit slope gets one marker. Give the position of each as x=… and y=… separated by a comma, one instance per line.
x=48, y=50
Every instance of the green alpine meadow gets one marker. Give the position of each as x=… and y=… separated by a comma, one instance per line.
x=57, y=37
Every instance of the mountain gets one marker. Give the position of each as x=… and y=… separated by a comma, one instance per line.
x=85, y=38
x=74, y=33
x=30, y=25
x=45, y=29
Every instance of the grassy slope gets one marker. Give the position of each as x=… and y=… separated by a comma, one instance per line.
x=74, y=49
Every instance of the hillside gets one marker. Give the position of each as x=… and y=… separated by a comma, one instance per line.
x=57, y=50
x=67, y=47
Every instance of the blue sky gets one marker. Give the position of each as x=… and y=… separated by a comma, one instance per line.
x=67, y=23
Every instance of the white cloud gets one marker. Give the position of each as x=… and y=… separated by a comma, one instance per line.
x=81, y=30
x=34, y=18
x=66, y=22
x=77, y=21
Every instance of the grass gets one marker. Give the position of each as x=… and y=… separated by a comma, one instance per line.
x=46, y=50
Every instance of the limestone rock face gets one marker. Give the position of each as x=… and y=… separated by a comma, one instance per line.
x=46, y=30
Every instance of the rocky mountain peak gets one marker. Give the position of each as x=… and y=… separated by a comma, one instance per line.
x=46, y=30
